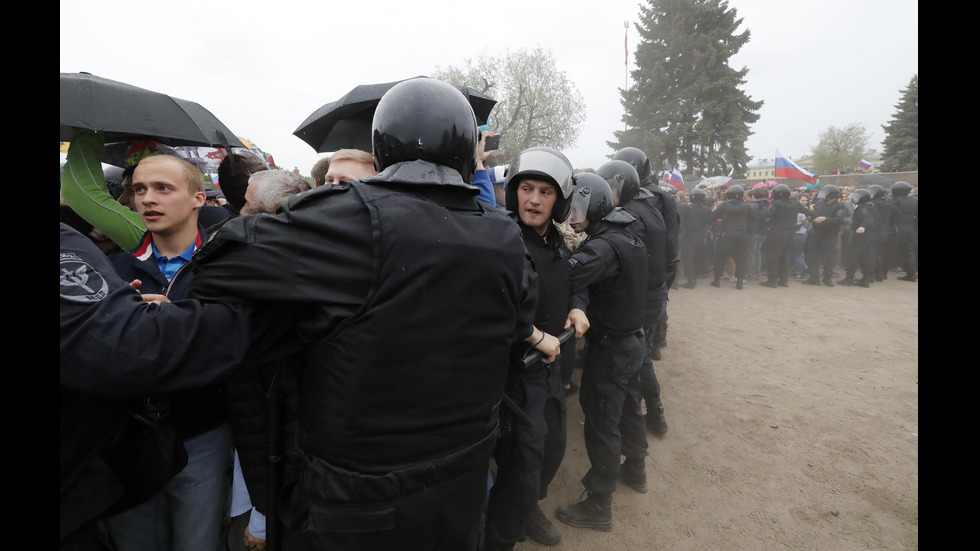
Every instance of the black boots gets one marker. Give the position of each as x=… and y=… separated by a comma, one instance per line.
x=716, y=283
x=594, y=512
x=540, y=529
x=633, y=473
x=655, y=420
x=769, y=283
x=691, y=283
x=849, y=280
x=738, y=284
x=827, y=281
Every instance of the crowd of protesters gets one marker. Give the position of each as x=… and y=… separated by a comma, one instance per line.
x=285, y=366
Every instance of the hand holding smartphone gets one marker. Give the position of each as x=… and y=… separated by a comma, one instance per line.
x=492, y=143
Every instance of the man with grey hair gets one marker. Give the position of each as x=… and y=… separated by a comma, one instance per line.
x=268, y=189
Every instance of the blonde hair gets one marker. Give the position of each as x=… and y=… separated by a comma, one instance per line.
x=353, y=155
x=192, y=175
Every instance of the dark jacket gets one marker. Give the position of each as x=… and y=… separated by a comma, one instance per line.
x=612, y=265
x=357, y=265
x=834, y=213
x=734, y=216
x=103, y=367
x=195, y=411
x=782, y=215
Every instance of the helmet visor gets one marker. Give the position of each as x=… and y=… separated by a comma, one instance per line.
x=580, y=206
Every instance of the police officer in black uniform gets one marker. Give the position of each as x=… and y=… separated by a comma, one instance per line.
x=612, y=265
x=734, y=216
x=539, y=182
x=821, y=241
x=667, y=205
x=696, y=218
x=103, y=468
x=887, y=212
x=407, y=312
x=860, y=253
x=781, y=218
x=651, y=230
x=907, y=228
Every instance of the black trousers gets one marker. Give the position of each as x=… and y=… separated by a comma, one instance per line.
x=821, y=252
x=610, y=398
x=861, y=255
x=734, y=244
x=527, y=457
x=777, y=247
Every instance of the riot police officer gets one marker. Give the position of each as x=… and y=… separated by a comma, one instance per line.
x=649, y=228
x=781, y=217
x=611, y=264
x=865, y=222
x=398, y=406
x=821, y=242
x=734, y=217
x=887, y=212
x=539, y=182
x=696, y=218
x=907, y=228
x=667, y=205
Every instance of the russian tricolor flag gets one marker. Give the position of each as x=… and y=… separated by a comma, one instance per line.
x=786, y=168
x=865, y=164
x=677, y=180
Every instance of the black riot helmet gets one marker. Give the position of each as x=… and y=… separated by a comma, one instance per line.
x=901, y=189
x=877, y=191
x=829, y=192
x=425, y=119
x=781, y=191
x=622, y=179
x=735, y=192
x=592, y=198
x=637, y=158
x=860, y=196
x=546, y=164
x=698, y=196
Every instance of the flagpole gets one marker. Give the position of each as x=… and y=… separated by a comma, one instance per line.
x=626, y=64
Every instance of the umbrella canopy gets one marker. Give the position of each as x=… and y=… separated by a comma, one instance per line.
x=871, y=179
x=122, y=112
x=346, y=123
x=206, y=159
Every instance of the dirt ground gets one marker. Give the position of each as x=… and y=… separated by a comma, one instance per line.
x=793, y=416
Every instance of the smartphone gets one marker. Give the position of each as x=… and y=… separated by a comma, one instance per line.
x=492, y=143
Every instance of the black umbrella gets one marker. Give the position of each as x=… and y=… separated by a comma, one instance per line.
x=871, y=179
x=346, y=122
x=122, y=112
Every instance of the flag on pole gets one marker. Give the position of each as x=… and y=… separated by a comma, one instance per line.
x=865, y=164
x=626, y=45
x=731, y=173
x=677, y=180
x=786, y=168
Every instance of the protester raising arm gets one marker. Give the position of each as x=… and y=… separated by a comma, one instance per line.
x=84, y=189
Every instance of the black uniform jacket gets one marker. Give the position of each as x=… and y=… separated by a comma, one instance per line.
x=406, y=294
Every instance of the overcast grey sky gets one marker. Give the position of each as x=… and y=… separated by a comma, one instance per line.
x=263, y=67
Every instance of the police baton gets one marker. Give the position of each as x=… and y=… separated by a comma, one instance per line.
x=534, y=355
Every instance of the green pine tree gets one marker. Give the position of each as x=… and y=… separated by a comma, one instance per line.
x=902, y=133
x=684, y=108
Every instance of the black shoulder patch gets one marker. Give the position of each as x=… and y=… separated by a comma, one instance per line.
x=80, y=282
